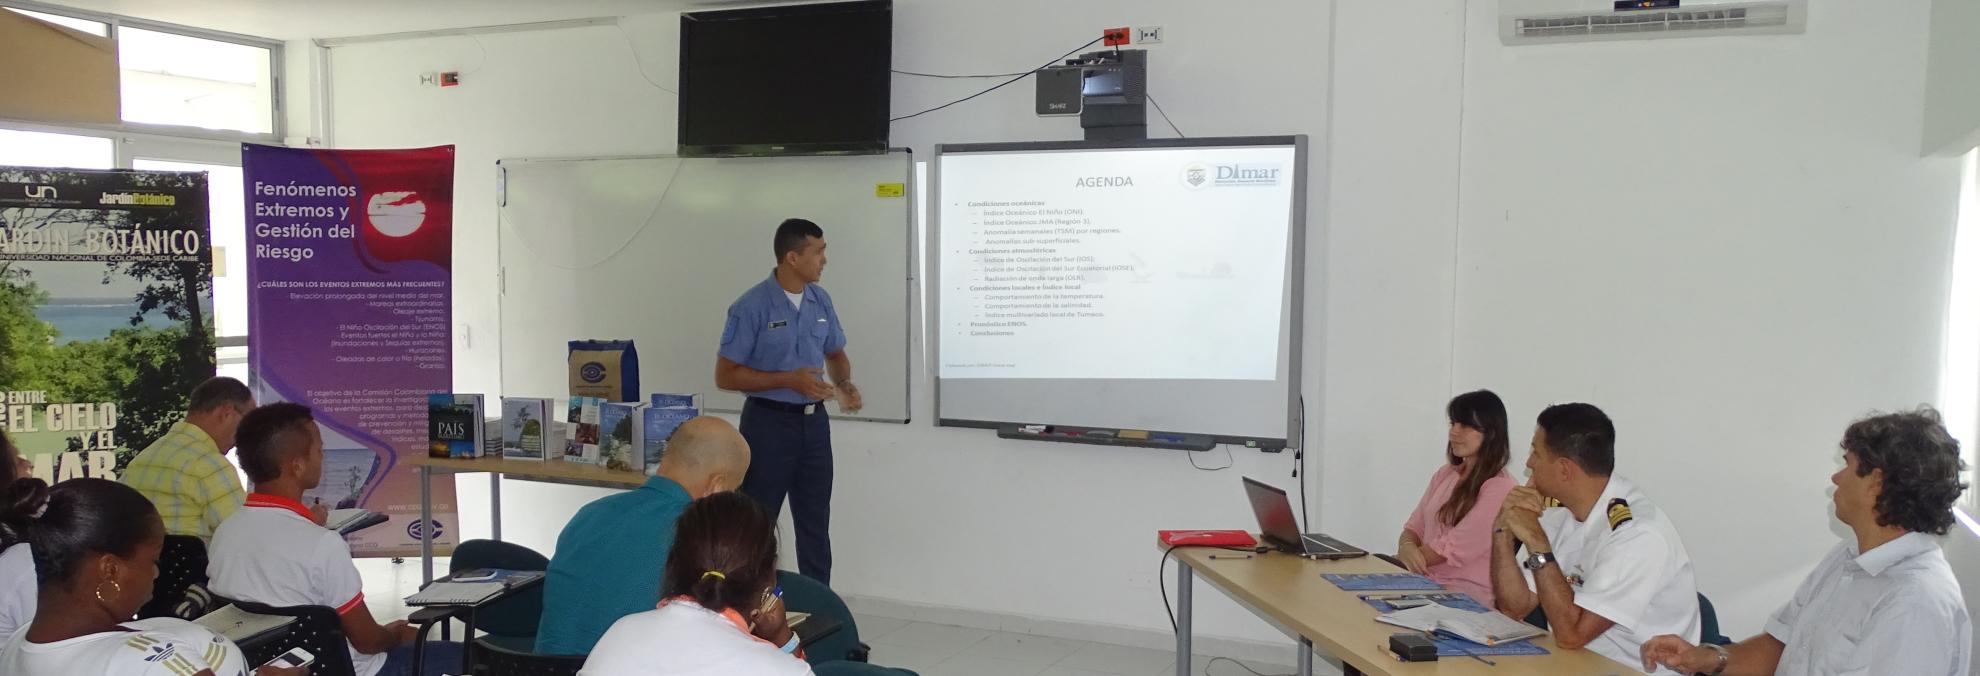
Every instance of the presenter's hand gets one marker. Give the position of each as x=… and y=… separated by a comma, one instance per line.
x=319, y=513
x=808, y=383
x=1678, y=654
x=406, y=633
x=849, y=399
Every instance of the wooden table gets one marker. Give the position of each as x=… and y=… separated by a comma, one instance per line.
x=1288, y=590
x=548, y=471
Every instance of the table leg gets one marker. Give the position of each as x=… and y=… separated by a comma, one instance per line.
x=1185, y=579
x=495, y=504
x=1305, y=657
x=425, y=526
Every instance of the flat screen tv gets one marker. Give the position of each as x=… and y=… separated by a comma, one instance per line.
x=788, y=80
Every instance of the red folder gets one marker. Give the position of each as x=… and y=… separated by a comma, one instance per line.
x=1205, y=538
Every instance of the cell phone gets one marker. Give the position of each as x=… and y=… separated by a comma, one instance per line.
x=296, y=657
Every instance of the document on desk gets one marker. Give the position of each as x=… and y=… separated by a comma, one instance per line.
x=1487, y=628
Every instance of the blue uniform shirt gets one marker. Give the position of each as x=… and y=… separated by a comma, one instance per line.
x=766, y=334
x=608, y=564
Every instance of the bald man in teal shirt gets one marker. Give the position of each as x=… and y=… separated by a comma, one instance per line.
x=610, y=556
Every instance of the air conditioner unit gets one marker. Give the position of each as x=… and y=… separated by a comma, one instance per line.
x=1531, y=22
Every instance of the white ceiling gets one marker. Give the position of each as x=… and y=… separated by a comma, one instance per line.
x=301, y=19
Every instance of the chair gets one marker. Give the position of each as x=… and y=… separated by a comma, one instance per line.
x=316, y=630
x=181, y=564
x=496, y=659
x=805, y=595
x=1708, y=623
x=511, y=620
x=847, y=668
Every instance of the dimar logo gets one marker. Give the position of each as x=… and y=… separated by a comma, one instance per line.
x=1196, y=175
x=592, y=372
x=41, y=192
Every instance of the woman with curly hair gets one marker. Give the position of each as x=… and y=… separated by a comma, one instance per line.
x=1884, y=601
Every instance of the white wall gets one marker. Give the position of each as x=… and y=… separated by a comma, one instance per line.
x=1730, y=243
x=920, y=511
x=1952, y=112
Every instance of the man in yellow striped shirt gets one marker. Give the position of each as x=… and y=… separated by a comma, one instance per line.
x=185, y=473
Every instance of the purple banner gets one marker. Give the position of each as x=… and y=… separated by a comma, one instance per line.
x=351, y=303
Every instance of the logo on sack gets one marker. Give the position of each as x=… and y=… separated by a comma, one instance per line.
x=592, y=372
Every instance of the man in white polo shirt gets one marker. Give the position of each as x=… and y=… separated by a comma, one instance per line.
x=271, y=551
x=1605, y=565
x=1883, y=601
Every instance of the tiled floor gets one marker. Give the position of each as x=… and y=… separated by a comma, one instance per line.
x=942, y=650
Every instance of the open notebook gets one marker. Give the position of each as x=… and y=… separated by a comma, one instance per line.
x=1486, y=628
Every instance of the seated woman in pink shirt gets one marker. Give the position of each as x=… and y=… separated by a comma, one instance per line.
x=1449, y=536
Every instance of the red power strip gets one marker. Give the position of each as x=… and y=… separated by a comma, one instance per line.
x=1115, y=37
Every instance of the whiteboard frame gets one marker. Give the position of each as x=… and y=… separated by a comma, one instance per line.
x=1295, y=251
x=913, y=252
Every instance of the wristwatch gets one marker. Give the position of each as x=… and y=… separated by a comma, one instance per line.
x=1725, y=657
x=1539, y=560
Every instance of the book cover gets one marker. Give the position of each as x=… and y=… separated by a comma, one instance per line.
x=616, y=447
x=665, y=400
x=453, y=425
x=583, y=419
x=656, y=424
x=527, y=428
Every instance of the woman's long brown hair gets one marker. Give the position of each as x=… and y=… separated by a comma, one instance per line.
x=1480, y=410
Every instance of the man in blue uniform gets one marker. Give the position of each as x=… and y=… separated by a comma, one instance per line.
x=782, y=339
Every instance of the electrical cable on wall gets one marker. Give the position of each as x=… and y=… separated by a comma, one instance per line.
x=1165, y=117
x=1001, y=85
x=637, y=62
x=1228, y=460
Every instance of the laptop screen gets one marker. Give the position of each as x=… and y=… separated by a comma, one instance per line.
x=1274, y=511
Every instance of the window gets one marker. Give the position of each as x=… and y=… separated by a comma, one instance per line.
x=195, y=82
x=184, y=77
x=1959, y=380
x=84, y=25
x=43, y=149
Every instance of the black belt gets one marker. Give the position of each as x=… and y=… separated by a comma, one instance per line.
x=774, y=405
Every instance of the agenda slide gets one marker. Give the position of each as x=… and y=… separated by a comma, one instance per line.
x=1149, y=285
x=1166, y=263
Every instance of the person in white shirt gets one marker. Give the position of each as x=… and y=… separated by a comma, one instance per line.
x=720, y=613
x=96, y=544
x=17, y=594
x=273, y=552
x=1884, y=601
x=1606, y=566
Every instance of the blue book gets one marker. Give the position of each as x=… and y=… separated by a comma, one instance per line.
x=664, y=400
x=656, y=425
x=617, y=423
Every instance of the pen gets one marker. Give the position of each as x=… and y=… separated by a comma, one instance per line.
x=1454, y=645
x=1228, y=557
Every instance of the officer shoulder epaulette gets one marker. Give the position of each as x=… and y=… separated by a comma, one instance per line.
x=1619, y=513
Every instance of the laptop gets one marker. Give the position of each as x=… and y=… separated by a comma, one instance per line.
x=1276, y=523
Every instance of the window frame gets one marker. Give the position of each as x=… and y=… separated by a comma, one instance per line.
x=276, y=84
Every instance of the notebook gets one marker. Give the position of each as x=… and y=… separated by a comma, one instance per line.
x=510, y=579
x=239, y=625
x=1486, y=628
x=456, y=593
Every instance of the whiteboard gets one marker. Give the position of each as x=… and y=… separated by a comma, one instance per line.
x=656, y=248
